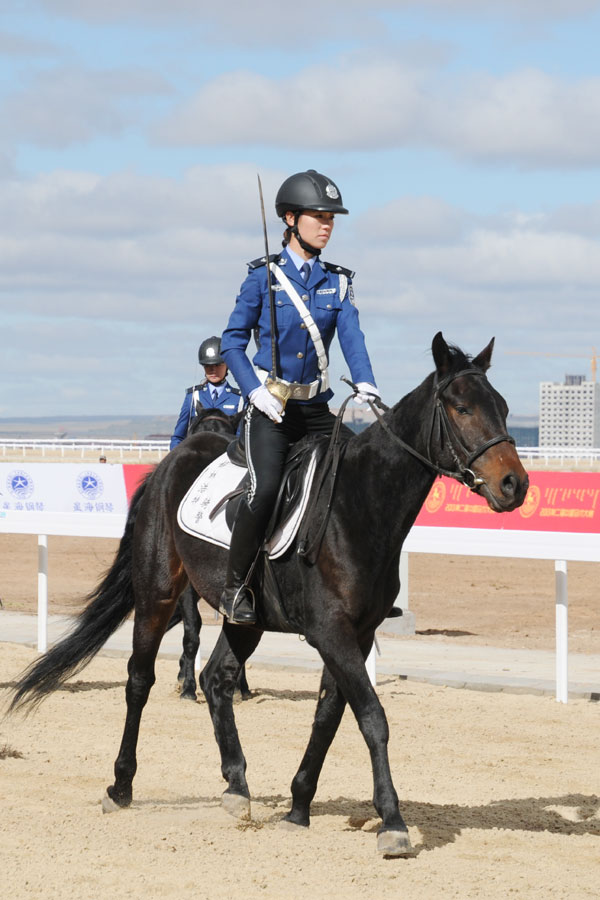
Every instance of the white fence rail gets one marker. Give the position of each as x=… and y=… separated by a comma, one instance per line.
x=83, y=447
x=561, y=456
x=87, y=447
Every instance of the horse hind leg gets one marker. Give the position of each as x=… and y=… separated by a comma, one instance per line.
x=140, y=680
x=149, y=627
x=242, y=685
x=217, y=680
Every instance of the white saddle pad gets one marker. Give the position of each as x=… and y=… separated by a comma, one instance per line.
x=220, y=478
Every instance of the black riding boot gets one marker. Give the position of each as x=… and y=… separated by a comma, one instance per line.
x=237, y=600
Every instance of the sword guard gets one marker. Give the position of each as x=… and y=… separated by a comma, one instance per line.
x=282, y=391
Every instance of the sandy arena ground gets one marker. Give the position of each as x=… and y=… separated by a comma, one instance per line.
x=500, y=791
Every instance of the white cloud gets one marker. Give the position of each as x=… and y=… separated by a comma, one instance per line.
x=62, y=106
x=350, y=104
x=122, y=239
x=265, y=15
x=119, y=278
x=17, y=45
x=410, y=221
x=117, y=246
x=526, y=117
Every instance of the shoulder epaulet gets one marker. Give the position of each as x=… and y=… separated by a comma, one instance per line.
x=262, y=260
x=234, y=390
x=195, y=387
x=339, y=270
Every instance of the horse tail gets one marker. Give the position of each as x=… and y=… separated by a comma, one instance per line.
x=108, y=605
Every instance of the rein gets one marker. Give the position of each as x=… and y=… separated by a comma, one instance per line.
x=463, y=472
x=439, y=417
x=328, y=469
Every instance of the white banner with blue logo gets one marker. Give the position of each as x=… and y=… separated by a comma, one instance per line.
x=63, y=498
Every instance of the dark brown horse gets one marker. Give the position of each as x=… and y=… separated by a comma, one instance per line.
x=453, y=423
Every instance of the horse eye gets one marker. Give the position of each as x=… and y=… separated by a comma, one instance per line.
x=462, y=410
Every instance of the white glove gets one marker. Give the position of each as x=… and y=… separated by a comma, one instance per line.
x=364, y=392
x=263, y=399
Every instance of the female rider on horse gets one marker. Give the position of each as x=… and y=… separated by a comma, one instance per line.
x=286, y=405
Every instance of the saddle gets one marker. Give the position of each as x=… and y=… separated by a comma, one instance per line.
x=304, y=456
x=209, y=508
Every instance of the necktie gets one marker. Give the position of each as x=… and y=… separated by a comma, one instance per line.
x=215, y=395
x=305, y=271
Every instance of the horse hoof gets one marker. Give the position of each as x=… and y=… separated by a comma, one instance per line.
x=394, y=843
x=188, y=696
x=109, y=805
x=236, y=805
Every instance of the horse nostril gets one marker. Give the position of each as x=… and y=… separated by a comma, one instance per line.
x=509, y=485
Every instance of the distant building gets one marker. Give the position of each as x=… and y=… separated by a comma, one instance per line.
x=525, y=435
x=570, y=413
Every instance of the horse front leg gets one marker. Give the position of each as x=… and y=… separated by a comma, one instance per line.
x=328, y=715
x=218, y=680
x=192, y=623
x=149, y=627
x=345, y=658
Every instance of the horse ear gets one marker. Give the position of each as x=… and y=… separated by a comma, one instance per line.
x=484, y=360
x=441, y=354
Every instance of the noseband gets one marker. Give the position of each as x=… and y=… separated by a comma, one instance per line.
x=441, y=423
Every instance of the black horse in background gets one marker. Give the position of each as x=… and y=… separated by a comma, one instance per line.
x=454, y=423
x=187, y=610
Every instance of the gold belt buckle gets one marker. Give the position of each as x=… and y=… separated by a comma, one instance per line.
x=282, y=391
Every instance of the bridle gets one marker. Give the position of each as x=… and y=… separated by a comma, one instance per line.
x=441, y=423
x=329, y=466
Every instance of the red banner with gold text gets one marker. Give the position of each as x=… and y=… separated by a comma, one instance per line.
x=556, y=501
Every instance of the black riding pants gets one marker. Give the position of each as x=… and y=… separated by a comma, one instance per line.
x=267, y=445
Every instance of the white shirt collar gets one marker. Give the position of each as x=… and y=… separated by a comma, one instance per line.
x=298, y=261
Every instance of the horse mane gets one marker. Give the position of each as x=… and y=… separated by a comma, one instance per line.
x=459, y=359
x=211, y=411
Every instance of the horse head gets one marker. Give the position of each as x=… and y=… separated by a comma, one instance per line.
x=468, y=433
x=209, y=419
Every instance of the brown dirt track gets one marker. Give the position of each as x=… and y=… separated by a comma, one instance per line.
x=498, y=602
x=500, y=791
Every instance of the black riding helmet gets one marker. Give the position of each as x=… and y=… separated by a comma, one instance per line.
x=308, y=190
x=209, y=352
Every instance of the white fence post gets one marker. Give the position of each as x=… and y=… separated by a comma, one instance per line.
x=402, y=601
x=562, y=631
x=372, y=666
x=42, y=616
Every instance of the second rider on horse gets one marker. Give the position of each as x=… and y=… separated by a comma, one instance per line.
x=214, y=392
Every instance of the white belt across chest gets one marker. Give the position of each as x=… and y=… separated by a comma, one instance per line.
x=304, y=391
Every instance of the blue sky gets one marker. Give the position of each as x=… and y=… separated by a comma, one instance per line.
x=464, y=135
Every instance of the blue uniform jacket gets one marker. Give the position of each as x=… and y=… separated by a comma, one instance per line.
x=230, y=401
x=296, y=355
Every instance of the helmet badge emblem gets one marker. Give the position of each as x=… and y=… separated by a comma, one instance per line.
x=210, y=351
x=332, y=192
